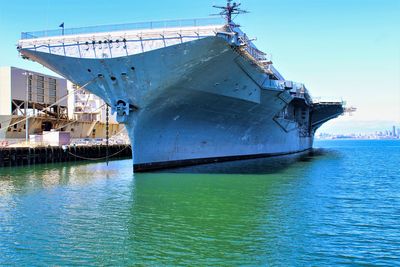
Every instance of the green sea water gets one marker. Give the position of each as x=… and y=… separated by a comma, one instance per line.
x=339, y=206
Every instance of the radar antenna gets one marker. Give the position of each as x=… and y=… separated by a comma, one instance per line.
x=230, y=9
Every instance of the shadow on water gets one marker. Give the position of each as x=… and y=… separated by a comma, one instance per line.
x=53, y=175
x=255, y=166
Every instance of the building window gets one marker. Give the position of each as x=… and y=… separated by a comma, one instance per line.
x=40, y=89
x=52, y=90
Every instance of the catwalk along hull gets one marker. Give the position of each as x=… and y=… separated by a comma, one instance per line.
x=198, y=101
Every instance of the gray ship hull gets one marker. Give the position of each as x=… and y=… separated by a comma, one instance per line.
x=200, y=127
x=196, y=102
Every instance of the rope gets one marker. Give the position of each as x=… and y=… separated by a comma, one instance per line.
x=107, y=137
x=101, y=158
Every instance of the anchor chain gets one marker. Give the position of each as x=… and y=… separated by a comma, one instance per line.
x=107, y=133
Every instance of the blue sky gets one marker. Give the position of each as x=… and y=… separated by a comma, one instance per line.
x=347, y=49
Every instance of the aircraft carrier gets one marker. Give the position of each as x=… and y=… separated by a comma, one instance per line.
x=189, y=91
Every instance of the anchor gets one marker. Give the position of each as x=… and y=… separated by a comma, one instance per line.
x=122, y=108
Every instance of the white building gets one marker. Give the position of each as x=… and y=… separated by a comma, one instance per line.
x=84, y=106
x=17, y=86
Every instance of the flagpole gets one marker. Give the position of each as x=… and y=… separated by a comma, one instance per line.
x=62, y=26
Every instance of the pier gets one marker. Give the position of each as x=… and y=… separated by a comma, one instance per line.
x=25, y=156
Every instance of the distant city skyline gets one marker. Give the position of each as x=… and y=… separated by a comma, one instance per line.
x=343, y=49
x=389, y=133
x=346, y=126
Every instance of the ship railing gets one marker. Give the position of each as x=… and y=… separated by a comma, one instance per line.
x=250, y=48
x=325, y=100
x=108, y=46
x=117, y=44
x=296, y=89
x=122, y=27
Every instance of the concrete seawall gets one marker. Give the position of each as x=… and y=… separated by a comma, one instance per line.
x=24, y=156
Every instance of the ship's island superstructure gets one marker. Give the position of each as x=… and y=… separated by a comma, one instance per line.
x=189, y=92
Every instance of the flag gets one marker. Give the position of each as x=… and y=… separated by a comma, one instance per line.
x=61, y=25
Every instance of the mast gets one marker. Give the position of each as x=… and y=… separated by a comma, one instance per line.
x=229, y=10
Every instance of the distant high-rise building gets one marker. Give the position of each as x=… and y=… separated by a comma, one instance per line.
x=394, y=131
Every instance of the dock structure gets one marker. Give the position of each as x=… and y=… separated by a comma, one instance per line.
x=25, y=156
